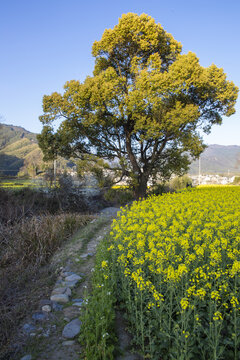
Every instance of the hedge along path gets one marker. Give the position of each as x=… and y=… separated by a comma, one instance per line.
x=46, y=341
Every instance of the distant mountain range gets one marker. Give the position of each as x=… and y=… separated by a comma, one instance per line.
x=218, y=159
x=19, y=153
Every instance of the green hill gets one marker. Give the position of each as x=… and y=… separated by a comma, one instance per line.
x=19, y=151
x=21, y=155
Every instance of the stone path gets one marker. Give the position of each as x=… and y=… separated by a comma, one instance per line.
x=52, y=331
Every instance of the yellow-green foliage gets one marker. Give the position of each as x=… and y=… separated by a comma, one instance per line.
x=178, y=263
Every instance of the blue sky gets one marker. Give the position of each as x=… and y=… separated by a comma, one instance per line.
x=46, y=43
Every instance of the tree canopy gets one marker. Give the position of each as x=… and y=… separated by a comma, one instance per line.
x=144, y=105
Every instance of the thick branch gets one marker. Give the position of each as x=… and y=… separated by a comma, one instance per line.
x=131, y=155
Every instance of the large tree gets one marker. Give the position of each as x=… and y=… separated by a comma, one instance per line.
x=144, y=105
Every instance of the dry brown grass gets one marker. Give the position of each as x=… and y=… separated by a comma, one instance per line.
x=24, y=250
x=34, y=240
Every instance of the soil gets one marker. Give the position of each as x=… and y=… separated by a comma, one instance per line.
x=78, y=256
x=124, y=340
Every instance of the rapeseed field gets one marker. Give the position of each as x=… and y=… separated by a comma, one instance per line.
x=176, y=262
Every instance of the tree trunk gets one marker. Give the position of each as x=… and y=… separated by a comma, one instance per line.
x=140, y=189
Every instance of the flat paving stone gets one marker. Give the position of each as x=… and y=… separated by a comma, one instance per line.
x=85, y=256
x=72, y=329
x=67, y=273
x=60, y=298
x=59, y=290
x=73, y=277
x=71, y=312
x=71, y=284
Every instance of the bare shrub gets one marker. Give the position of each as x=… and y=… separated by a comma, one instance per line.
x=119, y=196
x=69, y=197
x=16, y=205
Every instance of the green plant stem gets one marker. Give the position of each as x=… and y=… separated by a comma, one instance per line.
x=141, y=322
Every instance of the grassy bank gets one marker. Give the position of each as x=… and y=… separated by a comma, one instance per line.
x=97, y=333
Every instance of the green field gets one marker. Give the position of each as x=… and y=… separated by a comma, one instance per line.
x=20, y=183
